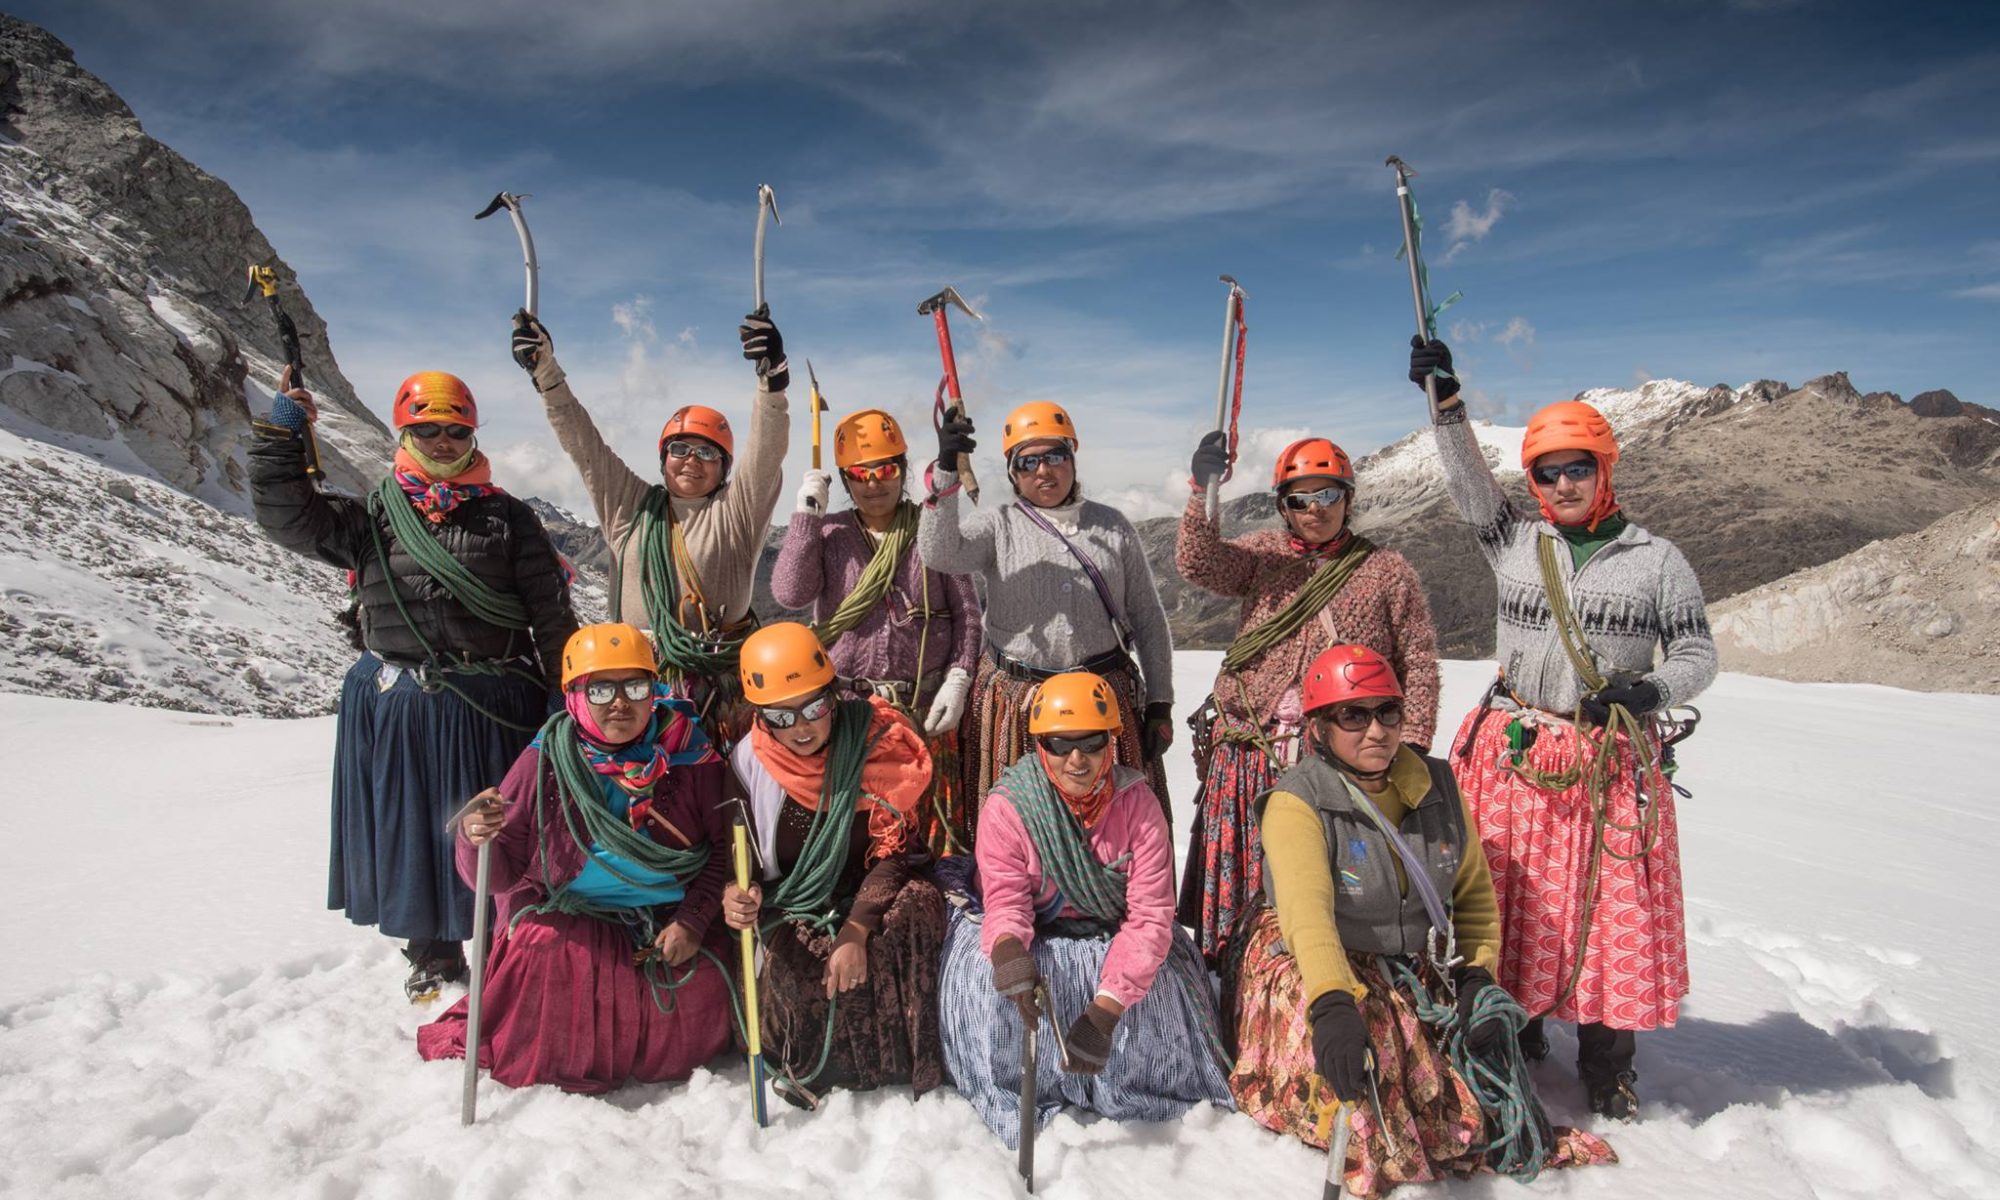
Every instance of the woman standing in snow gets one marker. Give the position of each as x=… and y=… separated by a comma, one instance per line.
x=1563, y=761
x=851, y=928
x=1305, y=587
x=609, y=845
x=1067, y=588
x=463, y=609
x=1348, y=992
x=1072, y=904
x=907, y=633
x=684, y=552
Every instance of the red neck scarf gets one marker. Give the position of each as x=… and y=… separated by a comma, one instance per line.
x=1604, y=505
x=1089, y=807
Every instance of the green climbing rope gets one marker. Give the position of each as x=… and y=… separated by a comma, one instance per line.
x=417, y=540
x=683, y=652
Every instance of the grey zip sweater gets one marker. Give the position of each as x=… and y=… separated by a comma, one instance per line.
x=1040, y=606
x=1634, y=596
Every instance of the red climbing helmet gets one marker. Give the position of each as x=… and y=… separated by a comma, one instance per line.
x=435, y=397
x=1349, y=672
x=1313, y=457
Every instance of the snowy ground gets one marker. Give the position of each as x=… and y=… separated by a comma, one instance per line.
x=180, y=1017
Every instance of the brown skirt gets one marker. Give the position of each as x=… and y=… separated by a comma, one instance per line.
x=883, y=1032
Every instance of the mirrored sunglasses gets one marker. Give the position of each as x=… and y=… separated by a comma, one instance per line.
x=1354, y=718
x=429, y=433
x=864, y=473
x=1580, y=470
x=604, y=691
x=1026, y=464
x=1326, y=497
x=785, y=718
x=1058, y=746
x=702, y=451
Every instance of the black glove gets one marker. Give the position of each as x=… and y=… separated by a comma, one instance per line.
x=1639, y=697
x=1015, y=977
x=1430, y=357
x=954, y=439
x=1482, y=1038
x=1340, y=1044
x=765, y=346
x=1211, y=459
x=1158, y=732
x=1090, y=1040
x=530, y=340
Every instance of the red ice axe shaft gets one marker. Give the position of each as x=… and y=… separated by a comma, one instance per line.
x=934, y=308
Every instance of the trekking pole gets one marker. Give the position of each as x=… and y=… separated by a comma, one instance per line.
x=264, y=279
x=1025, y=1158
x=767, y=202
x=1406, y=204
x=1232, y=349
x=935, y=308
x=818, y=407
x=752, y=1028
x=512, y=204
x=469, y=1107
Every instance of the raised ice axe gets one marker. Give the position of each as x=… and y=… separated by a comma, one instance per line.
x=1406, y=205
x=934, y=308
x=818, y=407
x=1234, y=343
x=767, y=203
x=512, y=204
x=264, y=278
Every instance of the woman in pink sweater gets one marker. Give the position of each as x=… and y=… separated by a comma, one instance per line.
x=1314, y=583
x=1069, y=918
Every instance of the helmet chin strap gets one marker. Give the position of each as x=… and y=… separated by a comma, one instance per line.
x=1339, y=764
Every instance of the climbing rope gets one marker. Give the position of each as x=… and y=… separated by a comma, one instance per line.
x=683, y=653
x=413, y=533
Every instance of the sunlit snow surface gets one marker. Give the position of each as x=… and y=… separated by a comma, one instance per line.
x=179, y=1015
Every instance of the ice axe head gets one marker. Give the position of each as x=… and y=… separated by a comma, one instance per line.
x=766, y=198
x=948, y=296
x=261, y=278
x=1403, y=169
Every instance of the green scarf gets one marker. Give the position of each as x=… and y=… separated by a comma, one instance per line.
x=1095, y=889
x=805, y=894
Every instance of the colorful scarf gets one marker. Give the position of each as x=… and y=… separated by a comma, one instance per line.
x=896, y=776
x=673, y=738
x=436, y=488
x=1305, y=549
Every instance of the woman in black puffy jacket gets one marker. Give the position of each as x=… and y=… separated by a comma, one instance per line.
x=463, y=607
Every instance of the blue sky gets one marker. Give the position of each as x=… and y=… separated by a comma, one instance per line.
x=1696, y=189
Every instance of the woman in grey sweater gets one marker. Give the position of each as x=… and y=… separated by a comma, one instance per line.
x=1067, y=588
x=1600, y=629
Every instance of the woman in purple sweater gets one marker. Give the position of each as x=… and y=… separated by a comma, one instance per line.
x=893, y=627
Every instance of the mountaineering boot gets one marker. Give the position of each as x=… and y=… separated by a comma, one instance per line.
x=1534, y=1041
x=1604, y=1061
x=432, y=965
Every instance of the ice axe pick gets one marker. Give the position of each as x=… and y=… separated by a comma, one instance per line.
x=512, y=204
x=935, y=308
x=767, y=203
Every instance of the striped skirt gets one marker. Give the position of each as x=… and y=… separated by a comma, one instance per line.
x=1161, y=1063
x=403, y=761
x=995, y=732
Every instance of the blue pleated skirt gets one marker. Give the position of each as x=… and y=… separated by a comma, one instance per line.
x=1162, y=1059
x=403, y=761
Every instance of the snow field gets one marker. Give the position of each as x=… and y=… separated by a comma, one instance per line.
x=179, y=1015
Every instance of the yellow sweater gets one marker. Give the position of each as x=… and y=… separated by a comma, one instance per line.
x=1301, y=878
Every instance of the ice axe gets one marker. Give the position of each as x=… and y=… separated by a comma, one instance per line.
x=1024, y=1160
x=1413, y=228
x=262, y=278
x=752, y=1023
x=512, y=204
x=1336, y=1153
x=468, y=1109
x=767, y=203
x=1235, y=339
x=818, y=407
x=935, y=308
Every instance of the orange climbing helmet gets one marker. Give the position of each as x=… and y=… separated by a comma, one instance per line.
x=699, y=420
x=1348, y=672
x=430, y=397
x=1034, y=420
x=596, y=648
x=870, y=435
x=1313, y=457
x=1074, y=702
x=1569, y=425
x=783, y=662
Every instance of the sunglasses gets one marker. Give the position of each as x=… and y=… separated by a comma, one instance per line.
x=1580, y=470
x=1026, y=464
x=1058, y=746
x=811, y=710
x=430, y=433
x=702, y=451
x=883, y=472
x=1354, y=718
x=1326, y=497
x=605, y=691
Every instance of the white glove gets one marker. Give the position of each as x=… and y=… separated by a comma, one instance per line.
x=949, y=704
x=814, y=491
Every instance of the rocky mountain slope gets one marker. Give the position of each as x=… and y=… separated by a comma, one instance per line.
x=1920, y=611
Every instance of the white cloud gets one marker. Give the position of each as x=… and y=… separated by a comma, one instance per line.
x=1463, y=331
x=1985, y=291
x=1518, y=333
x=1467, y=226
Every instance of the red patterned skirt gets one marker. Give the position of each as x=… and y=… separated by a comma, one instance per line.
x=1539, y=845
x=1224, y=870
x=1429, y=1123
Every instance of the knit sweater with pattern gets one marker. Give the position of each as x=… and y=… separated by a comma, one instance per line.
x=1382, y=606
x=1040, y=606
x=1633, y=597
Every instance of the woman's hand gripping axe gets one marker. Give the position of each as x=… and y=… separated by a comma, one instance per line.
x=934, y=308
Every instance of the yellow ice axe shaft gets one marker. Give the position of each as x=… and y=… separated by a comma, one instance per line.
x=752, y=1029
x=818, y=407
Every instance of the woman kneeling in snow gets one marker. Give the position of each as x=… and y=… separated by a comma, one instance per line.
x=852, y=930
x=1073, y=848
x=609, y=854
x=1380, y=885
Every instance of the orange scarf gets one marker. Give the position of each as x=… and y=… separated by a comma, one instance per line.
x=1605, y=503
x=893, y=780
